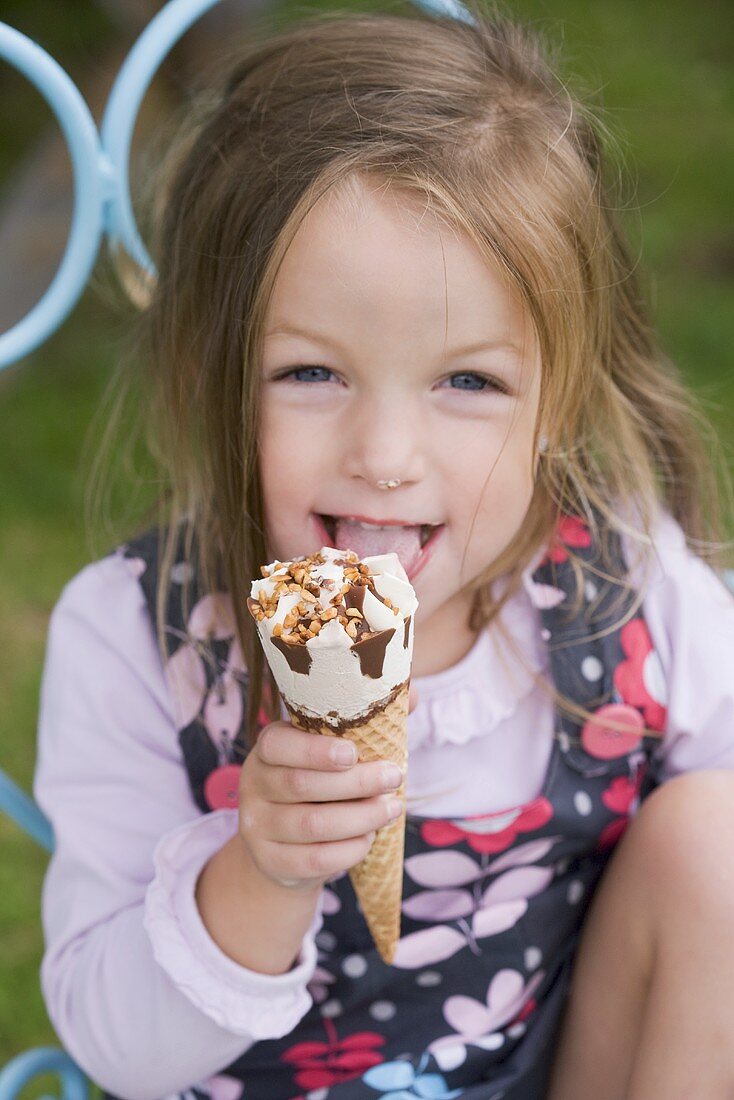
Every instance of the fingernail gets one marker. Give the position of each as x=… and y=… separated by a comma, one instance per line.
x=394, y=808
x=392, y=776
x=344, y=752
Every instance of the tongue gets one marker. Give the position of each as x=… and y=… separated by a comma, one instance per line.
x=403, y=541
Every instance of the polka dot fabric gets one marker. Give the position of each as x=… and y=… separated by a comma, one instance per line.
x=492, y=904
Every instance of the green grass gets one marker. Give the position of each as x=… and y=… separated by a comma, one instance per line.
x=666, y=87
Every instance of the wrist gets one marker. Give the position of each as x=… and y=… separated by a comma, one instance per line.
x=282, y=887
x=255, y=921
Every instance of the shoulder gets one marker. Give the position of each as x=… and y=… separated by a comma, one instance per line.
x=671, y=572
x=688, y=608
x=106, y=591
x=101, y=621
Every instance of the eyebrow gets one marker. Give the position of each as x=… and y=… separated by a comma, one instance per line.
x=454, y=353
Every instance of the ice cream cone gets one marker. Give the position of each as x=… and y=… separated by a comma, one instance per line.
x=378, y=878
x=337, y=633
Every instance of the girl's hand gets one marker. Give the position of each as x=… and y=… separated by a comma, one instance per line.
x=307, y=815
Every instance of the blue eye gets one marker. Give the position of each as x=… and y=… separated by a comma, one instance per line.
x=467, y=382
x=476, y=383
x=309, y=373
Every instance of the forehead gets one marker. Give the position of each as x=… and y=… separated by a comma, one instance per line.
x=366, y=253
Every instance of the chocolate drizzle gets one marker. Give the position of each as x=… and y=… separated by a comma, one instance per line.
x=335, y=725
x=406, y=633
x=371, y=653
x=297, y=656
x=355, y=597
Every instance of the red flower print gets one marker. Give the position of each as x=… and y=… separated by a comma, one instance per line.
x=492, y=833
x=527, y=1010
x=265, y=703
x=221, y=789
x=321, y=1065
x=639, y=679
x=620, y=794
x=570, y=531
x=601, y=739
x=612, y=833
x=619, y=797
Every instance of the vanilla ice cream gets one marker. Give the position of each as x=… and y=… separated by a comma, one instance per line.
x=337, y=632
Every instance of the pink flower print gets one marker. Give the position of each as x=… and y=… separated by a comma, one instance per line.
x=235, y=660
x=477, y=1024
x=223, y=1087
x=570, y=531
x=546, y=596
x=318, y=987
x=222, y=713
x=330, y=902
x=320, y=1065
x=135, y=567
x=212, y=617
x=639, y=680
x=489, y=833
x=187, y=680
x=472, y=911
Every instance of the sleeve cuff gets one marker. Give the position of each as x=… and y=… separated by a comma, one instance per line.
x=260, y=1006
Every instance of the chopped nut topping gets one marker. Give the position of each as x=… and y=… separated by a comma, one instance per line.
x=306, y=619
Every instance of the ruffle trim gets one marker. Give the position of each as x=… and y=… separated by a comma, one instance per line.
x=239, y=1000
x=485, y=688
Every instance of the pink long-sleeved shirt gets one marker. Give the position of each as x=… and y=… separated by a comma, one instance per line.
x=138, y=992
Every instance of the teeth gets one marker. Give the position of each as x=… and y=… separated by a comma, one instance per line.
x=376, y=526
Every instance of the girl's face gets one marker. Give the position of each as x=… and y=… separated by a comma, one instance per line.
x=373, y=370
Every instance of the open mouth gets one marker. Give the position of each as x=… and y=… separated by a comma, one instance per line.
x=425, y=530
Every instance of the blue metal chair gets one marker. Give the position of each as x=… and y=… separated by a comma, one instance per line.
x=102, y=207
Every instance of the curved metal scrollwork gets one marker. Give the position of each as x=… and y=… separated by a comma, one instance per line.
x=100, y=160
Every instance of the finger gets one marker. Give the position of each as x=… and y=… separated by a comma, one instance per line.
x=325, y=822
x=284, y=745
x=412, y=698
x=296, y=862
x=308, y=785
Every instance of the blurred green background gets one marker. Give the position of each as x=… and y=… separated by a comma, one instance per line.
x=664, y=78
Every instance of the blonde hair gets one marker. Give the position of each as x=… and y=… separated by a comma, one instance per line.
x=474, y=121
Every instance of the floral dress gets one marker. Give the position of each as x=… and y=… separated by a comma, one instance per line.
x=492, y=903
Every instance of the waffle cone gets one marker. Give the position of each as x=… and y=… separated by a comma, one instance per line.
x=378, y=878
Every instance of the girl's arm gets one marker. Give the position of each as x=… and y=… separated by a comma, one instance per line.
x=256, y=922
x=690, y=616
x=139, y=992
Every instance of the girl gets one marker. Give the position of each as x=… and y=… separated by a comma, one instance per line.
x=394, y=312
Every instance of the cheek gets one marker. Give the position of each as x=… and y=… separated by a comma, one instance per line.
x=285, y=443
x=293, y=468
x=498, y=487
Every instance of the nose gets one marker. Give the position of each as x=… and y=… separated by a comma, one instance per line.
x=385, y=441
